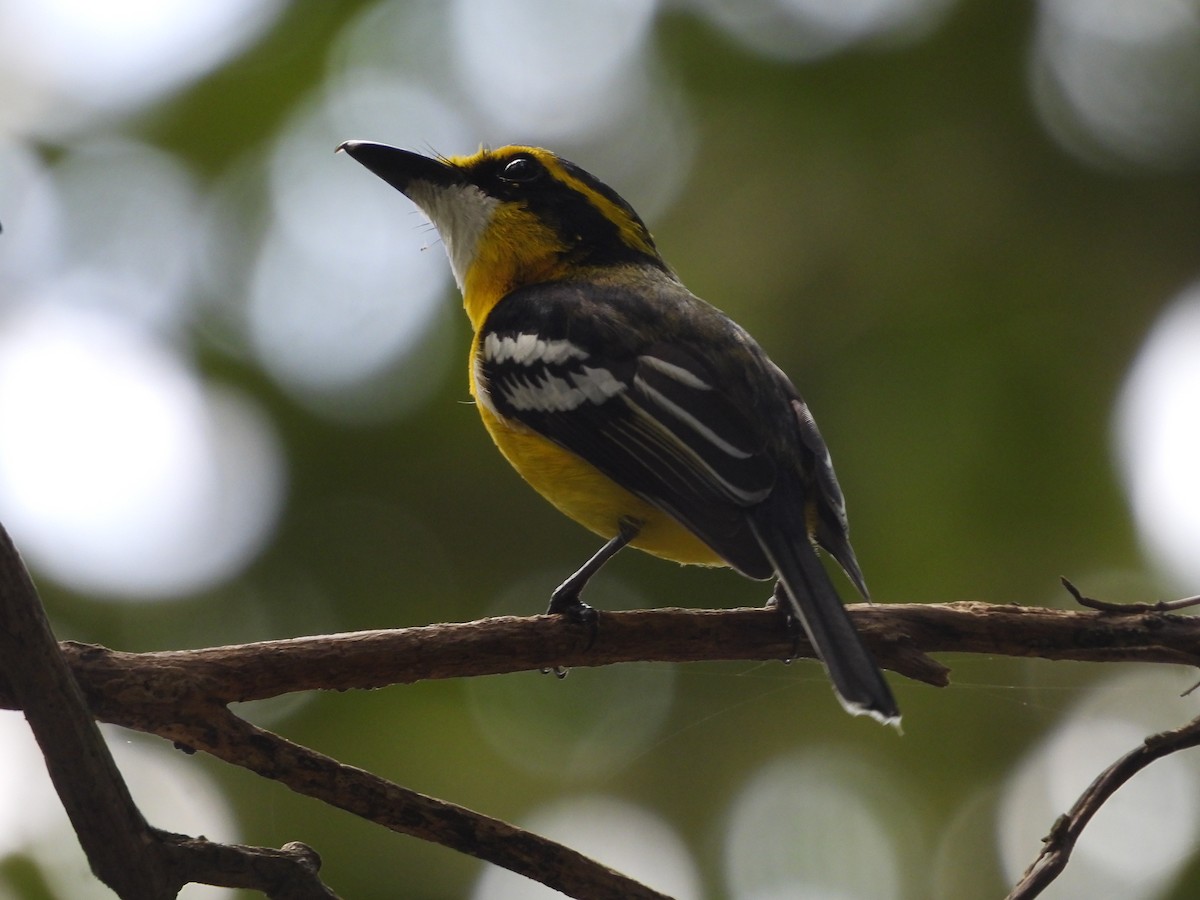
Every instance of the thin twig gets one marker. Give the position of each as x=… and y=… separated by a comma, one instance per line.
x=1059, y=844
x=1161, y=606
x=290, y=873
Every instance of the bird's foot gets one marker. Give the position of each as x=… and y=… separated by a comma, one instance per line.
x=779, y=601
x=565, y=602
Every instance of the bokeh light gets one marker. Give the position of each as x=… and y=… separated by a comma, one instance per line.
x=32, y=217
x=804, y=30
x=808, y=826
x=120, y=472
x=1157, y=433
x=586, y=726
x=1120, y=82
x=619, y=834
x=350, y=279
x=589, y=725
x=582, y=79
x=66, y=62
x=129, y=214
x=505, y=48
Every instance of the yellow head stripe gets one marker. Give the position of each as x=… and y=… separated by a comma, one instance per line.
x=631, y=233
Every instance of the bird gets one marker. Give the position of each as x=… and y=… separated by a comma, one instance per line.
x=639, y=410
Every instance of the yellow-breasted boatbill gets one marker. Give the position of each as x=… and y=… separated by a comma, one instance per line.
x=637, y=409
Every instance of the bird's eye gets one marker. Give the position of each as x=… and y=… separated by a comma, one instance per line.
x=521, y=170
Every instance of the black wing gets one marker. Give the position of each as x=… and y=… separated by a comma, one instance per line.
x=650, y=414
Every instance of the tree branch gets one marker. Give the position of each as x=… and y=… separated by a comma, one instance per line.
x=226, y=736
x=141, y=689
x=1061, y=841
x=137, y=861
x=182, y=695
x=111, y=829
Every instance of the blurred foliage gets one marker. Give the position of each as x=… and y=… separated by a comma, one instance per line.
x=956, y=297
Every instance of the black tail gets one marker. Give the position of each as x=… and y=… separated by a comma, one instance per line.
x=814, y=601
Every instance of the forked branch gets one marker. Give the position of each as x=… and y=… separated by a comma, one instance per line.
x=137, y=861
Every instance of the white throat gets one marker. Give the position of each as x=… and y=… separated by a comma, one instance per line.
x=460, y=213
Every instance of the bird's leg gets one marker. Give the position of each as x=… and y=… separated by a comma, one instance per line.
x=565, y=599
